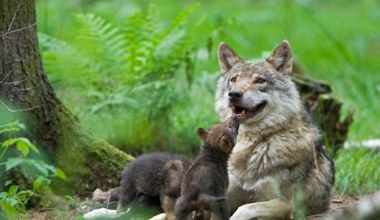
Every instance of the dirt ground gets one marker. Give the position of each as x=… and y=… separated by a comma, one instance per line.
x=338, y=204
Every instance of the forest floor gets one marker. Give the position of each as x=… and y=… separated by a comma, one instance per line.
x=338, y=204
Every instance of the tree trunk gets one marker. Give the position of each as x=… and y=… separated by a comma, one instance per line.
x=88, y=161
x=326, y=111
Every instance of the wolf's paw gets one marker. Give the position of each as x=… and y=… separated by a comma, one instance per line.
x=243, y=213
x=101, y=213
x=161, y=216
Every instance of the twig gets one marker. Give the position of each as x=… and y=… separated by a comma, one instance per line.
x=15, y=82
x=13, y=19
x=11, y=24
x=31, y=25
x=7, y=75
x=18, y=110
x=336, y=201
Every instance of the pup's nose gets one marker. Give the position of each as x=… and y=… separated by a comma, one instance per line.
x=235, y=95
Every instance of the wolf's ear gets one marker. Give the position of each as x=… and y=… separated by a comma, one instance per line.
x=227, y=57
x=202, y=133
x=282, y=58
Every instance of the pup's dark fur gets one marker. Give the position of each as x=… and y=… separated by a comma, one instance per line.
x=205, y=183
x=154, y=175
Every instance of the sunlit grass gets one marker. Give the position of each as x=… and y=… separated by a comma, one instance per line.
x=357, y=171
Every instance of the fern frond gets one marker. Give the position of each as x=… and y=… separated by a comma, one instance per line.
x=64, y=63
x=111, y=59
x=105, y=43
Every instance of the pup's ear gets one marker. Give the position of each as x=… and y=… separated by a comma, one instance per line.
x=227, y=57
x=282, y=58
x=225, y=144
x=202, y=133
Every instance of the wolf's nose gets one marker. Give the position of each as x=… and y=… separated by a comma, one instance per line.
x=235, y=94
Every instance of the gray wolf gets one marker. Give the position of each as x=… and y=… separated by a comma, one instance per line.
x=153, y=176
x=279, y=149
x=205, y=183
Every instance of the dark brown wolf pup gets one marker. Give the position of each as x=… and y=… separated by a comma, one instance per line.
x=154, y=175
x=205, y=183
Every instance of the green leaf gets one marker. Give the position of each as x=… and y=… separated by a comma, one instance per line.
x=40, y=182
x=8, y=182
x=60, y=173
x=13, y=189
x=24, y=194
x=7, y=130
x=9, y=211
x=23, y=147
x=3, y=195
x=34, y=148
x=9, y=142
x=12, y=162
x=26, y=143
x=40, y=166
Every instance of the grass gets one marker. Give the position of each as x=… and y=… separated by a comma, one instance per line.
x=333, y=41
x=357, y=171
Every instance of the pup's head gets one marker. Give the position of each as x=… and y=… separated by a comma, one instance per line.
x=256, y=92
x=221, y=136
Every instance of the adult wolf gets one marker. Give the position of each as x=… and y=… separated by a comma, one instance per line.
x=279, y=149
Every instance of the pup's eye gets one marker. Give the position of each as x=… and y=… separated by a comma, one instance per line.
x=260, y=81
x=233, y=79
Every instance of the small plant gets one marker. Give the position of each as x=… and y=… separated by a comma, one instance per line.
x=15, y=199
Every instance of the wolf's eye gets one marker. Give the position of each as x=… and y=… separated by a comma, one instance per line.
x=233, y=79
x=260, y=81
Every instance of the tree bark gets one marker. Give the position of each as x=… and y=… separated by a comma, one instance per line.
x=326, y=111
x=89, y=162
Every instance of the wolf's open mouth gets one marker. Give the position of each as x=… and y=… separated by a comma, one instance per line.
x=245, y=113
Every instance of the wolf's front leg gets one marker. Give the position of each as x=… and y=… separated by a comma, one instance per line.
x=271, y=209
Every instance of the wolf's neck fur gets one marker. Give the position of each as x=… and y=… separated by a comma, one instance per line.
x=214, y=155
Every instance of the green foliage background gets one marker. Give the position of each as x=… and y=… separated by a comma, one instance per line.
x=142, y=73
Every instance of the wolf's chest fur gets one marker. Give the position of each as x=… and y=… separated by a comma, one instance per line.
x=255, y=157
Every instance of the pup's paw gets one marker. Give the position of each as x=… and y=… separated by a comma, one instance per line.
x=243, y=213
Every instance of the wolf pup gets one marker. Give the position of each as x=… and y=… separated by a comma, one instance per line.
x=150, y=176
x=279, y=148
x=205, y=183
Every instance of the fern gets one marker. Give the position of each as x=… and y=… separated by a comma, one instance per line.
x=110, y=59
x=140, y=65
x=106, y=41
x=64, y=63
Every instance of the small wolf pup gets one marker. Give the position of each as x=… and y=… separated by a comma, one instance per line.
x=205, y=183
x=153, y=175
x=279, y=148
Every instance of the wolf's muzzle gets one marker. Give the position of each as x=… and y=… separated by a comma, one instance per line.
x=235, y=95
